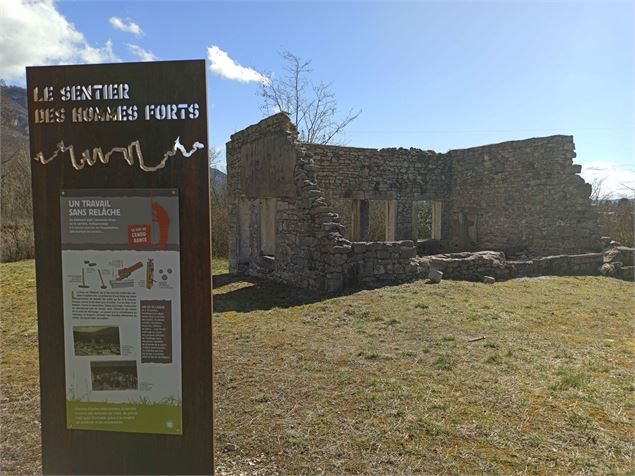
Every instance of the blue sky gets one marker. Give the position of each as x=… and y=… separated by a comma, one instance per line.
x=433, y=75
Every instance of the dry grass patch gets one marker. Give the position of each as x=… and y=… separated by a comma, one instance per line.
x=387, y=382
x=19, y=372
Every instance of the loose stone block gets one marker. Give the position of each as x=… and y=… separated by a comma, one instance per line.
x=435, y=276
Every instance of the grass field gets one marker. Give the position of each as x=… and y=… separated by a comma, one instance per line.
x=387, y=381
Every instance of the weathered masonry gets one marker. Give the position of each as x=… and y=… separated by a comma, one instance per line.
x=303, y=214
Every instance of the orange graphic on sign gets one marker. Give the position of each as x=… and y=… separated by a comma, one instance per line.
x=160, y=216
x=139, y=235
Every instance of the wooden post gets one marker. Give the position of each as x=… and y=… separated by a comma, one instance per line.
x=437, y=208
x=355, y=220
x=364, y=219
x=143, y=126
x=391, y=220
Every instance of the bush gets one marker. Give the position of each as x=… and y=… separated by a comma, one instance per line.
x=220, y=220
x=16, y=210
x=17, y=241
x=616, y=219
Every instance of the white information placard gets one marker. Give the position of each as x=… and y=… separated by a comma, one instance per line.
x=122, y=319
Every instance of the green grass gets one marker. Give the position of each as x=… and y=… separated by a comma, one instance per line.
x=569, y=379
x=444, y=362
x=386, y=382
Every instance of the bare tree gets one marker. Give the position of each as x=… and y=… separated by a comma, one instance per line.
x=214, y=154
x=630, y=188
x=16, y=228
x=220, y=207
x=312, y=107
x=598, y=192
x=214, y=157
x=615, y=216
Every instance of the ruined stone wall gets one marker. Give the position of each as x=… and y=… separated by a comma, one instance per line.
x=255, y=141
x=309, y=248
x=521, y=194
x=381, y=262
x=509, y=196
x=474, y=266
x=515, y=195
x=405, y=175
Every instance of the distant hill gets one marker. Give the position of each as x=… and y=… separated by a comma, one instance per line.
x=16, y=93
x=219, y=178
x=14, y=124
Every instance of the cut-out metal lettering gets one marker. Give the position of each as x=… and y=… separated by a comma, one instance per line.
x=127, y=153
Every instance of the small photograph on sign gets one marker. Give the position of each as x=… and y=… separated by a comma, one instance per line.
x=114, y=375
x=96, y=340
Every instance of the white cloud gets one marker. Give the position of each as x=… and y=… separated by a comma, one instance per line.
x=225, y=67
x=615, y=181
x=143, y=55
x=127, y=25
x=35, y=33
x=100, y=55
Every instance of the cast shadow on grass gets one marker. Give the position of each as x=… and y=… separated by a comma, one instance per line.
x=254, y=294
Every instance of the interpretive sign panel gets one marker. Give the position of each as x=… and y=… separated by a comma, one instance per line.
x=121, y=208
x=122, y=309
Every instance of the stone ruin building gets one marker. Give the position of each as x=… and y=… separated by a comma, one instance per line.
x=300, y=213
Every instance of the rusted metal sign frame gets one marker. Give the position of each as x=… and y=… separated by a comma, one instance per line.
x=179, y=147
